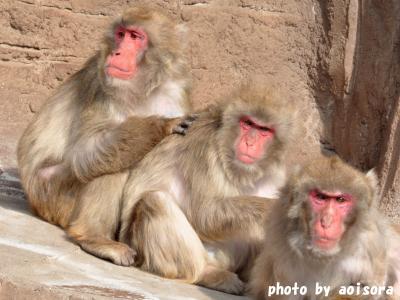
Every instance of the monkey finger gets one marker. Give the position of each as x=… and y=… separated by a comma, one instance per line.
x=191, y=118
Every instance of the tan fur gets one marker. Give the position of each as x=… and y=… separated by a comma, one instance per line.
x=95, y=125
x=182, y=254
x=191, y=188
x=365, y=249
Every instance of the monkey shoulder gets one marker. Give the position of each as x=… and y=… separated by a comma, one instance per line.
x=371, y=252
x=183, y=154
x=169, y=100
x=199, y=136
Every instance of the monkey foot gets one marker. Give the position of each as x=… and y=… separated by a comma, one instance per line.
x=222, y=280
x=232, y=285
x=116, y=252
x=122, y=255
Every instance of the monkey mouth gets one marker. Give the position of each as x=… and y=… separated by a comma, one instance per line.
x=118, y=72
x=245, y=158
x=325, y=243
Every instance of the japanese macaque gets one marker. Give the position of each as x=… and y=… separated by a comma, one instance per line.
x=105, y=118
x=182, y=209
x=326, y=229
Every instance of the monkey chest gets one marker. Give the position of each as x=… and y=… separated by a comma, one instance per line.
x=265, y=189
x=167, y=101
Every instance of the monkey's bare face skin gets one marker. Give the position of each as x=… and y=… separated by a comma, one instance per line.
x=253, y=140
x=329, y=211
x=130, y=44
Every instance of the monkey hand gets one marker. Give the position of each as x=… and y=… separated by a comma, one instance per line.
x=182, y=125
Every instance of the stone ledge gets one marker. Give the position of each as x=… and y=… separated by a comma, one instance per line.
x=38, y=262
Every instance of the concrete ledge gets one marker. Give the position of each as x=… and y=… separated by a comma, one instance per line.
x=38, y=262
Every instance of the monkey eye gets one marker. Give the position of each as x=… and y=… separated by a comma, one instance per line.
x=246, y=123
x=121, y=34
x=321, y=196
x=249, y=122
x=341, y=199
x=265, y=130
x=134, y=35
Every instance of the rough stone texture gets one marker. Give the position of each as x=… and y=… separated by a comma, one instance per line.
x=340, y=58
x=367, y=129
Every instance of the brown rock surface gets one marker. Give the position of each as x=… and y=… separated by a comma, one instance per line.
x=367, y=129
x=340, y=58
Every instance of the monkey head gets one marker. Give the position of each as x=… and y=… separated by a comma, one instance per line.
x=256, y=127
x=130, y=44
x=328, y=202
x=141, y=38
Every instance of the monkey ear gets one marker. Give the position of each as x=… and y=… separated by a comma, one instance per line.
x=373, y=179
x=182, y=32
x=374, y=183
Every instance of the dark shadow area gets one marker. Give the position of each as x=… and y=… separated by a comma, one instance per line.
x=12, y=195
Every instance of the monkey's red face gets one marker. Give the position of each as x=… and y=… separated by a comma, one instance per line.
x=254, y=138
x=130, y=44
x=330, y=210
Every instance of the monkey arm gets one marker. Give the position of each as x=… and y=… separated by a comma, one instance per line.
x=102, y=151
x=105, y=148
x=218, y=218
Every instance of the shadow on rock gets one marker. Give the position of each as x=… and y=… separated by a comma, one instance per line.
x=12, y=195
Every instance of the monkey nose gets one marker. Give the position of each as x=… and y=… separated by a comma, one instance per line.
x=326, y=221
x=250, y=142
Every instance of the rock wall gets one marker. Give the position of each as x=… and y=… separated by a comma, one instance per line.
x=338, y=58
x=366, y=130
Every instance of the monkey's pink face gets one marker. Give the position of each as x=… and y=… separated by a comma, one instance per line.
x=130, y=44
x=254, y=138
x=330, y=210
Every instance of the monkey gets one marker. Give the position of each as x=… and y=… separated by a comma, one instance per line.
x=326, y=228
x=182, y=208
x=127, y=97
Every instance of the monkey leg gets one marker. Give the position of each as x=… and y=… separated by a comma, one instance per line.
x=236, y=254
x=168, y=246
x=166, y=243
x=229, y=216
x=95, y=220
x=52, y=201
